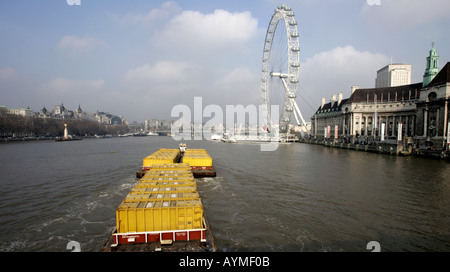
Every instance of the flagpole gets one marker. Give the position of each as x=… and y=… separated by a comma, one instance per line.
x=375, y=116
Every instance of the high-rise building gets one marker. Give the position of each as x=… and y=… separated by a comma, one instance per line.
x=432, y=66
x=393, y=75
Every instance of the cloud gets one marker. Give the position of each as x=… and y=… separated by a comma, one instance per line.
x=237, y=77
x=160, y=84
x=345, y=65
x=165, y=11
x=161, y=71
x=8, y=73
x=73, y=43
x=240, y=86
x=90, y=94
x=330, y=72
x=196, y=54
x=193, y=32
x=61, y=86
x=400, y=14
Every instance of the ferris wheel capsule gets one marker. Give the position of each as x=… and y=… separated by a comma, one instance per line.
x=290, y=14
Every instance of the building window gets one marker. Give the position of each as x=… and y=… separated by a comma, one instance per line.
x=432, y=96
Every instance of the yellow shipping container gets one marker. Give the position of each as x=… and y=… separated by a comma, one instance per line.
x=159, y=215
x=169, y=176
x=166, y=179
x=162, y=156
x=143, y=196
x=171, y=166
x=165, y=184
x=196, y=150
x=197, y=157
x=168, y=172
x=198, y=161
x=163, y=176
x=175, y=189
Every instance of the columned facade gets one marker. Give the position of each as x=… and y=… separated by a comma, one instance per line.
x=377, y=114
x=421, y=110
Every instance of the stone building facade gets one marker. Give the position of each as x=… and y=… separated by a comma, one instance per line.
x=432, y=109
x=418, y=111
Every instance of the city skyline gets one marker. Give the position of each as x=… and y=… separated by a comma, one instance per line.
x=142, y=58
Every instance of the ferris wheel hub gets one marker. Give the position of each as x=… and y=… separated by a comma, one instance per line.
x=281, y=75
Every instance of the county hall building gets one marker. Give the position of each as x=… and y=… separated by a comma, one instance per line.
x=418, y=111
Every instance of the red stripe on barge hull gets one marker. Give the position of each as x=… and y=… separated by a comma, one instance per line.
x=147, y=237
x=190, y=240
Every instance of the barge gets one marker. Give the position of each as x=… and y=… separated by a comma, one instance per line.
x=199, y=161
x=164, y=211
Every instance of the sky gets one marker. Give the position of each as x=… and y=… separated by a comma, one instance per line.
x=140, y=59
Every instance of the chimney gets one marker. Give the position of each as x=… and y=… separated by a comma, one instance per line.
x=354, y=88
x=333, y=100
x=339, y=98
x=323, y=103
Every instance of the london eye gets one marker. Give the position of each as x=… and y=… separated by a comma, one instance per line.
x=280, y=72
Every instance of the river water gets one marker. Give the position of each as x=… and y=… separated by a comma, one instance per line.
x=299, y=197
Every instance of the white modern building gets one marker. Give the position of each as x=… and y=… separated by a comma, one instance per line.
x=18, y=111
x=393, y=75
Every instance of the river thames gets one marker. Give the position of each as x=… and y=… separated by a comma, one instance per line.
x=300, y=197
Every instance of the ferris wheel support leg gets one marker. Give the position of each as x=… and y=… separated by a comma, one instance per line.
x=300, y=114
x=296, y=115
x=298, y=111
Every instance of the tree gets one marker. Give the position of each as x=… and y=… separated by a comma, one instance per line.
x=19, y=126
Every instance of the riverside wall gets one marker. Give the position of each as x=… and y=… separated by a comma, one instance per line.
x=408, y=148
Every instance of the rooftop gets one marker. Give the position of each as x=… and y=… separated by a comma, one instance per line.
x=399, y=93
x=442, y=77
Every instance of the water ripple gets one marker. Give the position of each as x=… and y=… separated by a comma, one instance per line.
x=297, y=198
